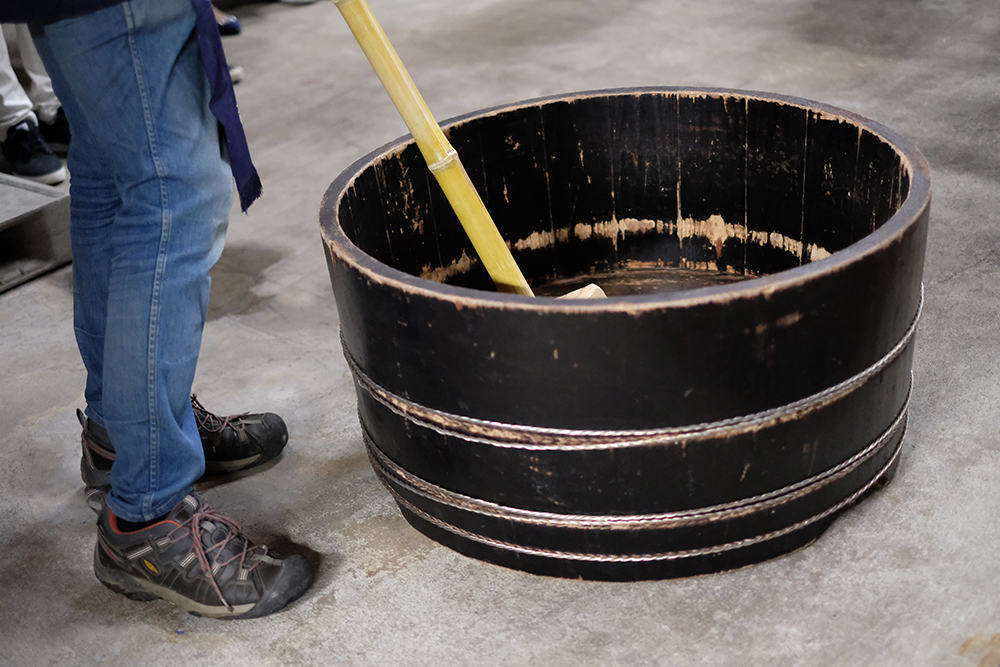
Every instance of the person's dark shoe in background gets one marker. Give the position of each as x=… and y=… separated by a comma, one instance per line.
x=228, y=24
x=29, y=156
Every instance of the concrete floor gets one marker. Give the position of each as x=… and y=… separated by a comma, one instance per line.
x=911, y=577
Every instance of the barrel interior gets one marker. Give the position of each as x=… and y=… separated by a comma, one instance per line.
x=652, y=191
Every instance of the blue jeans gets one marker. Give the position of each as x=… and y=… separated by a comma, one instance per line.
x=150, y=194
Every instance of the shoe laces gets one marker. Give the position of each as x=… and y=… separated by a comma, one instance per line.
x=213, y=423
x=204, y=521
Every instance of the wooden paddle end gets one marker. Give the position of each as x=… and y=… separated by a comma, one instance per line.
x=590, y=291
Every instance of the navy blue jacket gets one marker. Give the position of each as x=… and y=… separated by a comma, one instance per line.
x=48, y=11
x=223, y=102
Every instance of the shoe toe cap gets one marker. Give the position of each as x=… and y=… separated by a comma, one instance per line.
x=294, y=578
x=276, y=429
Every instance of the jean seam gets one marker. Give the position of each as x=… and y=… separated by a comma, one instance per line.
x=161, y=260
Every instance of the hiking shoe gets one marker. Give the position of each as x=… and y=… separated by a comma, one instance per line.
x=56, y=133
x=30, y=157
x=238, y=442
x=232, y=443
x=199, y=560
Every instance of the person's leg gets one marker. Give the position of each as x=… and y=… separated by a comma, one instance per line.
x=133, y=87
x=21, y=141
x=131, y=81
x=51, y=120
x=15, y=107
x=94, y=202
x=44, y=102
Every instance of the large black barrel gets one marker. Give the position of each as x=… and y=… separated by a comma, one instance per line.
x=647, y=436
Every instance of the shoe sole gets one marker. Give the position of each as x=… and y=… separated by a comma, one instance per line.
x=294, y=579
x=52, y=178
x=223, y=467
x=238, y=465
x=101, y=479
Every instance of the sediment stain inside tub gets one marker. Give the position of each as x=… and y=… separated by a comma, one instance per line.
x=634, y=277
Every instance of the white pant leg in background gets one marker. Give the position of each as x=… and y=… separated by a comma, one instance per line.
x=15, y=106
x=44, y=102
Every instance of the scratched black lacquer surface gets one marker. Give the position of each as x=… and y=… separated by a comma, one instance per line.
x=823, y=211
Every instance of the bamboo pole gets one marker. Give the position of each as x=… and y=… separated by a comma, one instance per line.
x=441, y=157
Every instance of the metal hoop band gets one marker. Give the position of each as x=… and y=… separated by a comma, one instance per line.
x=393, y=475
x=513, y=436
x=645, y=558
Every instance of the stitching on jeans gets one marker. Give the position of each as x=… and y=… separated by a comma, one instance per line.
x=165, y=229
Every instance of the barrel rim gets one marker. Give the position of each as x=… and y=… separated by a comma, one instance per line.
x=913, y=209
